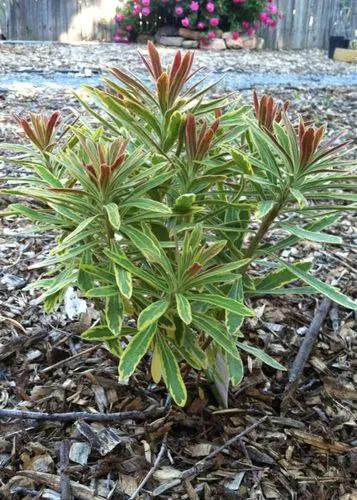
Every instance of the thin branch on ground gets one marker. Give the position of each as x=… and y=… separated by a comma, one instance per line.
x=205, y=463
x=52, y=481
x=81, y=415
x=65, y=484
x=71, y=358
x=153, y=468
x=20, y=342
x=305, y=349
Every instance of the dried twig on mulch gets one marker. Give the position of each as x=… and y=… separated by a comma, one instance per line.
x=153, y=468
x=82, y=415
x=205, y=463
x=79, y=490
x=304, y=352
x=65, y=483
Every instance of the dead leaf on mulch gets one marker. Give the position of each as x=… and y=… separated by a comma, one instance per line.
x=199, y=450
x=320, y=443
x=337, y=389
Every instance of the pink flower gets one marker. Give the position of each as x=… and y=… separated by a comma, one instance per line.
x=251, y=31
x=235, y=35
x=145, y=3
x=136, y=10
x=119, y=17
x=245, y=25
x=129, y=27
x=211, y=35
x=272, y=23
x=120, y=39
x=238, y=1
x=194, y=6
x=185, y=22
x=214, y=21
x=146, y=11
x=179, y=10
x=210, y=7
x=263, y=16
x=273, y=9
x=201, y=25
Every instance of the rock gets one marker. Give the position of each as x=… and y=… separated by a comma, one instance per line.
x=170, y=41
x=190, y=44
x=144, y=39
x=260, y=43
x=243, y=42
x=216, y=44
x=167, y=31
x=190, y=34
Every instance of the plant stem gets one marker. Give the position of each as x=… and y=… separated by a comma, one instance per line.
x=266, y=223
x=263, y=229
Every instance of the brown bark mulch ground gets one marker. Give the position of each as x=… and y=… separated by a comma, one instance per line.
x=306, y=448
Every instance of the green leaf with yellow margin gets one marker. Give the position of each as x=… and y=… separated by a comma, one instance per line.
x=217, y=332
x=183, y=308
x=233, y=320
x=152, y=313
x=327, y=290
x=236, y=369
x=171, y=373
x=114, y=313
x=135, y=350
x=156, y=370
x=113, y=215
x=263, y=356
x=99, y=333
x=124, y=281
x=222, y=302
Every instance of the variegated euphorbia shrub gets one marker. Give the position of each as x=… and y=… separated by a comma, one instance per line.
x=161, y=202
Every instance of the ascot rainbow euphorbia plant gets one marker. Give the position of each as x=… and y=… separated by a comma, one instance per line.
x=162, y=200
x=205, y=16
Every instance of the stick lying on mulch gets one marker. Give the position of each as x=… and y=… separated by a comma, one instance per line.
x=65, y=484
x=152, y=470
x=304, y=352
x=82, y=415
x=204, y=464
x=54, y=482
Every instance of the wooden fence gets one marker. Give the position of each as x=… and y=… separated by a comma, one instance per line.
x=308, y=24
x=59, y=20
x=305, y=23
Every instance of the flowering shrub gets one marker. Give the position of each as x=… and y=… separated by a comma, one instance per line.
x=245, y=16
x=172, y=212
x=206, y=16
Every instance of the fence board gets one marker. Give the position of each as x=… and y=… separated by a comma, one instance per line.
x=305, y=23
